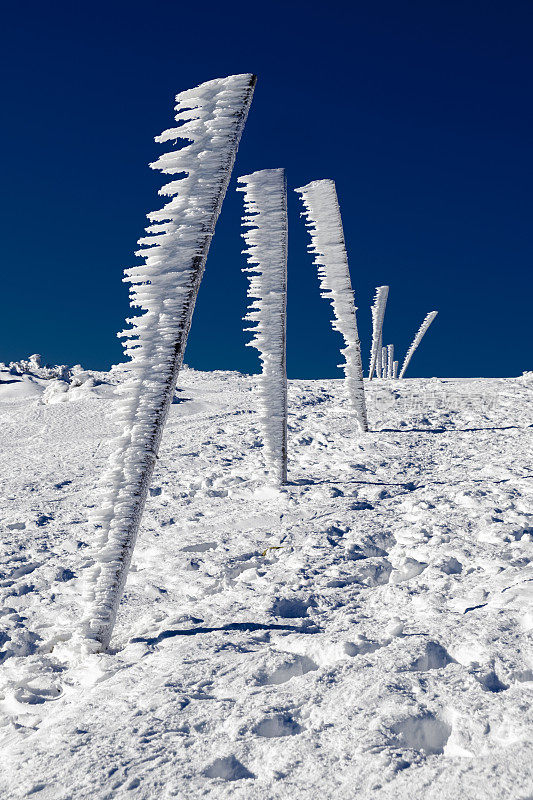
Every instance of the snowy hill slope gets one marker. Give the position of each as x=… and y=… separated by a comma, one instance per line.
x=366, y=632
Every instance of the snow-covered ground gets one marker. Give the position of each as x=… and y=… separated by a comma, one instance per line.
x=364, y=633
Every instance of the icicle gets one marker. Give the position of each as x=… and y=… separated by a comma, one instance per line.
x=165, y=288
x=265, y=205
x=418, y=338
x=378, y=314
x=327, y=243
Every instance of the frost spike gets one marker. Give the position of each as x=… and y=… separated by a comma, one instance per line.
x=390, y=359
x=265, y=207
x=165, y=287
x=323, y=218
x=378, y=314
x=428, y=319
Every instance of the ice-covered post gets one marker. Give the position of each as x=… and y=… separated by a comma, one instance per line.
x=428, y=319
x=394, y=369
x=390, y=359
x=378, y=363
x=383, y=362
x=323, y=218
x=378, y=314
x=211, y=118
x=265, y=205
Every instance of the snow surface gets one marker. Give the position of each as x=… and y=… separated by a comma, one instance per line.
x=365, y=632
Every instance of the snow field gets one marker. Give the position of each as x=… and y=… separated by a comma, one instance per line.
x=363, y=632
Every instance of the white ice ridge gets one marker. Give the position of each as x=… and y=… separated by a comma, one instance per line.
x=211, y=118
x=265, y=205
x=428, y=319
x=378, y=314
x=323, y=218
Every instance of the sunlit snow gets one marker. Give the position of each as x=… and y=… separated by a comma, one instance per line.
x=363, y=632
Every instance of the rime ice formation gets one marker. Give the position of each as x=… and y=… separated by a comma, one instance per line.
x=265, y=204
x=211, y=117
x=378, y=314
x=390, y=360
x=428, y=319
x=323, y=219
x=384, y=362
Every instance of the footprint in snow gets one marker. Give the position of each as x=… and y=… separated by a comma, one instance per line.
x=229, y=769
x=278, y=725
x=294, y=666
x=434, y=656
x=291, y=608
x=425, y=733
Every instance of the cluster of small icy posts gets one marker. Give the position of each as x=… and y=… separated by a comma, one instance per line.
x=210, y=119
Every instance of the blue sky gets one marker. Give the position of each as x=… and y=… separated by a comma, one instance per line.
x=420, y=111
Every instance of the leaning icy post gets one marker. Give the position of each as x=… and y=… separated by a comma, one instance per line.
x=378, y=315
x=390, y=359
x=323, y=218
x=265, y=205
x=428, y=319
x=211, y=118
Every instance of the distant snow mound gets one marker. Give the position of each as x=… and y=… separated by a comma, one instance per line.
x=27, y=379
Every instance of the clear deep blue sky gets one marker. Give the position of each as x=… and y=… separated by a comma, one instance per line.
x=420, y=110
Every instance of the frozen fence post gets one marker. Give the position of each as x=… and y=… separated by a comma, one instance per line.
x=211, y=118
x=395, y=369
x=390, y=359
x=323, y=218
x=428, y=319
x=265, y=205
x=378, y=314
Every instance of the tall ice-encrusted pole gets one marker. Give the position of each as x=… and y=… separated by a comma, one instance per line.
x=211, y=118
x=428, y=319
x=378, y=315
x=390, y=359
x=324, y=221
x=265, y=205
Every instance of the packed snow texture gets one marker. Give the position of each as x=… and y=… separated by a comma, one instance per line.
x=428, y=319
x=364, y=632
x=323, y=218
x=265, y=205
x=378, y=314
x=211, y=117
